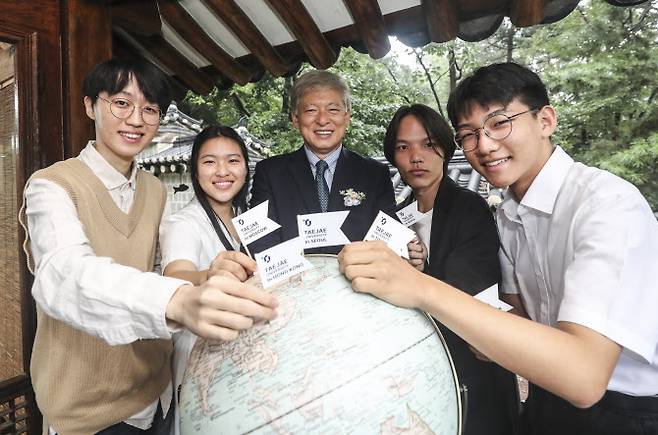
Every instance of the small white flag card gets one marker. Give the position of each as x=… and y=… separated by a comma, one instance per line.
x=254, y=223
x=409, y=215
x=322, y=229
x=392, y=232
x=490, y=296
x=282, y=261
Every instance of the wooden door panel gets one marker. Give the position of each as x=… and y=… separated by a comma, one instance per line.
x=31, y=137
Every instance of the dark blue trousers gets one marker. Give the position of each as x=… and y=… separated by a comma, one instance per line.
x=615, y=414
x=160, y=426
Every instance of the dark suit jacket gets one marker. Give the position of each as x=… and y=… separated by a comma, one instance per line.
x=287, y=181
x=463, y=252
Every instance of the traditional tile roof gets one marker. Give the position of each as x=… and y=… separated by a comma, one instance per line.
x=172, y=145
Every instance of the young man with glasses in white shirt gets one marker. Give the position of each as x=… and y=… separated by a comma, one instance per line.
x=578, y=250
x=101, y=357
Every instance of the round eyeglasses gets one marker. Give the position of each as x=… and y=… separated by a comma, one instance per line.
x=496, y=126
x=123, y=108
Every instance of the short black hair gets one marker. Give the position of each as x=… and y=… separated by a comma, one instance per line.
x=498, y=83
x=435, y=125
x=112, y=76
x=211, y=132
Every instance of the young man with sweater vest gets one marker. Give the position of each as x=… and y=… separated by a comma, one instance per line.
x=101, y=356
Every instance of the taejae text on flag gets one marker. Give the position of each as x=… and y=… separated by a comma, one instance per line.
x=254, y=224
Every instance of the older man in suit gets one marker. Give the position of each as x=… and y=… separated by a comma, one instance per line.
x=322, y=175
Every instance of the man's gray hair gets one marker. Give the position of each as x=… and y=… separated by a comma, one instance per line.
x=319, y=79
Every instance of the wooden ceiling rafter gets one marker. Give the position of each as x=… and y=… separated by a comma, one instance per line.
x=526, y=13
x=442, y=19
x=123, y=48
x=140, y=24
x=179, y=19
x=242, y=26
x=298, y=20
x=367, y=31
x=369, y=22
x=169, y=57
x=142, y=18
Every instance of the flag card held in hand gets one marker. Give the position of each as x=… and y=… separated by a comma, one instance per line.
x=282, y=261
x=392, y=232
x=322, y=229
x=254, y=223
x=410, y=214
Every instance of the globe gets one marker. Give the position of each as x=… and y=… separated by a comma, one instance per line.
x=333, y=362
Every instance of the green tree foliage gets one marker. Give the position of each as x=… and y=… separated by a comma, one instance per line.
x=600, y=64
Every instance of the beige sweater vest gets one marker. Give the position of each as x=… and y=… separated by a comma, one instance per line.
x=82, y=384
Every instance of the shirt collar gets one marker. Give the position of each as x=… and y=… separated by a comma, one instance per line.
x=331, y=159
x=543, y=191
x=109, y=176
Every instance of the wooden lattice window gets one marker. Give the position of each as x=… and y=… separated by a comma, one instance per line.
x=14, y=410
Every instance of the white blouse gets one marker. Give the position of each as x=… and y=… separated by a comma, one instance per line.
x=189, y=235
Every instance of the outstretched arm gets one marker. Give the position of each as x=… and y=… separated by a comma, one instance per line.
x=571, y=361
x=231, y=264
x=221, y=307
x=117, y=303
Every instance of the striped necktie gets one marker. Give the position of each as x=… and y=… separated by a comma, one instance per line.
x=321, y=184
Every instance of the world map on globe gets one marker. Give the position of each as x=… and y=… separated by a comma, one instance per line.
x=334, y=361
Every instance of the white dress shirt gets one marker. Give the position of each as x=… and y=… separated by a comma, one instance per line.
x=582, y=247
x=331, y=159
x=189, y=235
x=423, y=229
x=94, y=294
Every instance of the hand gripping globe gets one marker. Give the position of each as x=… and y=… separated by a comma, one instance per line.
x=333, y=362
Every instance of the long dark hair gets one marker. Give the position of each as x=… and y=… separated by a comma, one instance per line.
x=436, y=127
x=240, y=200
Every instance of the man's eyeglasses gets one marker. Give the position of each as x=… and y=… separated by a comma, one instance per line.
x=123, y=108
x=496, y=126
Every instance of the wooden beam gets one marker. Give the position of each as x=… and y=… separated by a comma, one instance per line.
x=309, y=36
x=441, y=18
x=240, y=24
x=169, y=57
x=190, y=31
x=141, y=17
x=369, y=21
x=525, y=13
x=88, y=41
x=123, y=49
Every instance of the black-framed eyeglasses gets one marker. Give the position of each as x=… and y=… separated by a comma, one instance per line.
x=496, y=126
x=123, y=108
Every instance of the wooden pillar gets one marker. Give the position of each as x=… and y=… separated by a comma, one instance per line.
x=86, y=40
